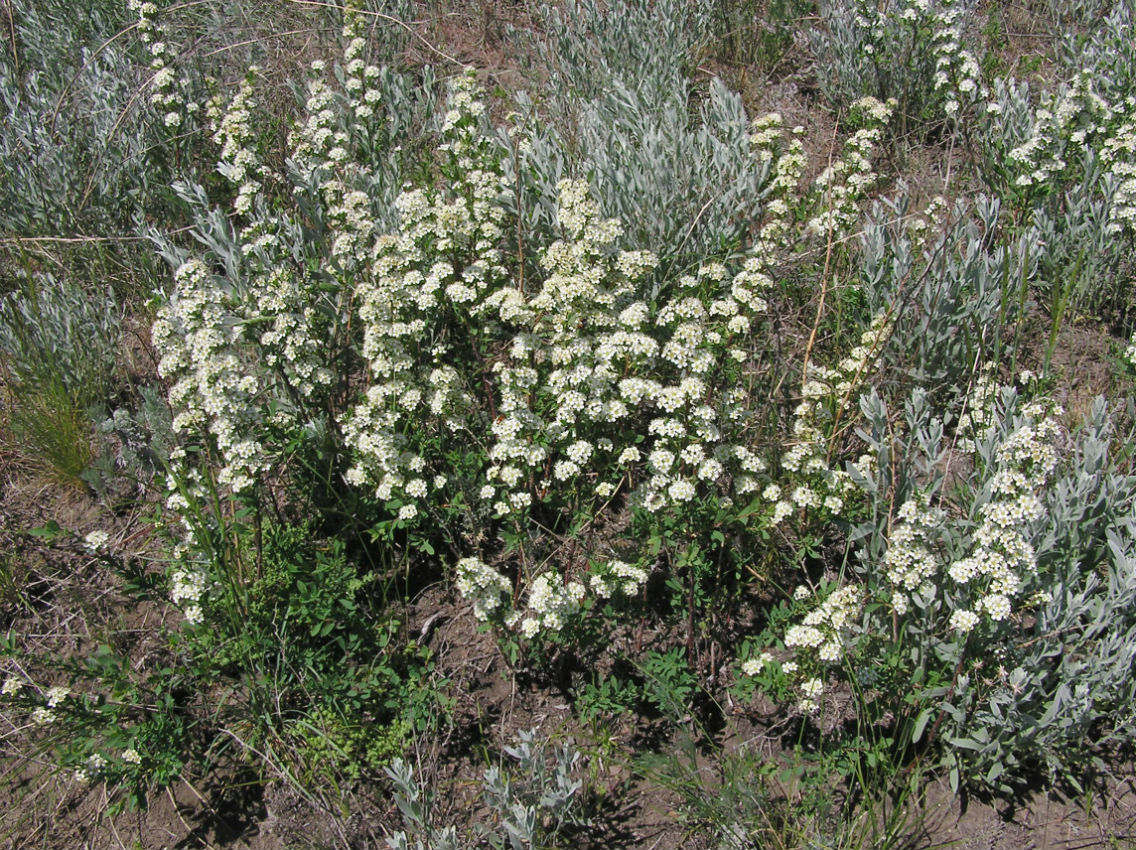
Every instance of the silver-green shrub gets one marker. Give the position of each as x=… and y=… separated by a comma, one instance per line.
x=616, y=111
x=911, y=51
x=953, y=286
x=533, y=797
x=59, y=348
x=70, y=142
x=1059, y=693
x=989, y=610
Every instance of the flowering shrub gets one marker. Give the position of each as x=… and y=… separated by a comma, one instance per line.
x=910, y=50
x=526, y=393
x=959, y=574
x=568, y=366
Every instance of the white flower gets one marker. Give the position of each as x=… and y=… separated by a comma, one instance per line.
x=782, y=510
x=830, y=652
x=997, y=606
x=56, y=695
x=682, y=490
x=95, y=540
x=628, y=455
x=963, y=620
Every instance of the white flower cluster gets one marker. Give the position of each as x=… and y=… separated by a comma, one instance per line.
x=239, y=163
x=213, y=390
x=188, y=587
x=844, y=183
x=912, y=563
x=55, y=695
x=820, y=639
x=227, y=343
x=589, y=362
x=753, y=666
x=167, y=90
x=1003, y=558
x=921, y=226
x=551, y=604
x=91, y=769
x=96, y=541
x=322, y=145
x=410, y=293
x=1064, y=125
x=313, y=141
x=828, y=396
x=766, y=136
x=617, y=362
x=279, y=312
x=358, y=77
x=824, y=628
x=483, y=586
x=977, y=420
x=958, y=78
x=1119, y=155
x=908, y=30
x=611, y=577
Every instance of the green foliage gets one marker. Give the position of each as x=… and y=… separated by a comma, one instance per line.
x=133, y=729
x=336, y=747
x=670, y=684
x=755, y=32
x=609, y=697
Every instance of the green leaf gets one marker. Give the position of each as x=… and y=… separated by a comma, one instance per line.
x=48, y=532
x=920, y=725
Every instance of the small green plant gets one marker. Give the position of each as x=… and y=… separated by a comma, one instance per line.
x=610, y=697
x=670, y=684
x=536, y=799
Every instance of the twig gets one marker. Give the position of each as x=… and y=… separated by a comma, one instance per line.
x=823, y=280
x=390, y=19
x=15, y=41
